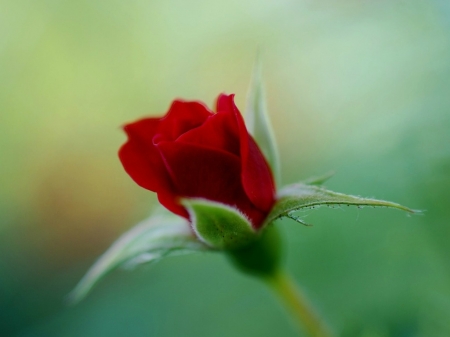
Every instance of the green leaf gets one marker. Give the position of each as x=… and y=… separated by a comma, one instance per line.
x=160, y=235
x=299, y=196
x=218, y=225
x=258, y=122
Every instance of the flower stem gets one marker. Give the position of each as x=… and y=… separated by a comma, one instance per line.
x=290, y=294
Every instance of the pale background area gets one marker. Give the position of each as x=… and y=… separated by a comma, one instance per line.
x=357, y=86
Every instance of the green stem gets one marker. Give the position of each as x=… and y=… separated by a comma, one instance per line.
x=290, y=294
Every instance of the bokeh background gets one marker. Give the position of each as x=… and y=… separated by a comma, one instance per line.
x=356, y=86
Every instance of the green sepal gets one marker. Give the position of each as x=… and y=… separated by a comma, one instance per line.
x=258, y=122
x=218, y=225
x=296, y=197
x=162, y=234
x=318, y=180
x=262, y=257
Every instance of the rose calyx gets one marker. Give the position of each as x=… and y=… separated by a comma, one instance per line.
x=219, y=226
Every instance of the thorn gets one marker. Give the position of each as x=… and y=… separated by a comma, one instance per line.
x=297, y=219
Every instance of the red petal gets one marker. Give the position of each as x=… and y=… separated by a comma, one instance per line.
x=256, y=176
x=170, y=201
x=220, y=131
x=181, y=117
x=207, y=173
x=140, y=158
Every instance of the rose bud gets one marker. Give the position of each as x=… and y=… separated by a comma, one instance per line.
x=192, y=155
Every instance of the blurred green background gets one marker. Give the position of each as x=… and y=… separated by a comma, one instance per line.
x=357, y=86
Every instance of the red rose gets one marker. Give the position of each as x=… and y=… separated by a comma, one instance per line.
x=194, y=152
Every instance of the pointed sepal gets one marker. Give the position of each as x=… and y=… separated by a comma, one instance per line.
x=258, y=122
x=218, y=225
x=318, y=180
x=162, y=234
x=300, y=196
